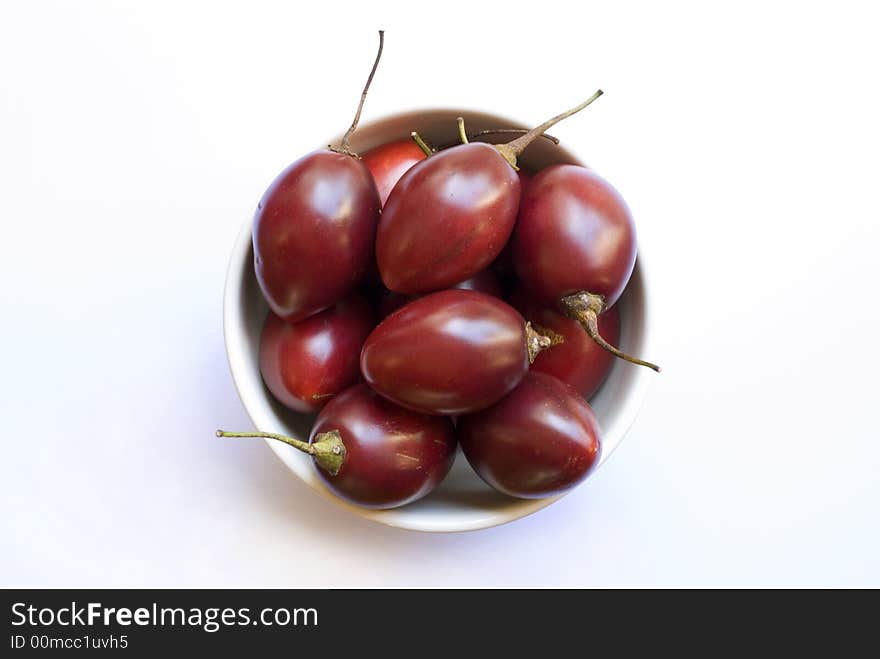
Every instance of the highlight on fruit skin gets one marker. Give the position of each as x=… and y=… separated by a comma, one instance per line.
x=394, y=456
x=451, y=352
x=541, y=440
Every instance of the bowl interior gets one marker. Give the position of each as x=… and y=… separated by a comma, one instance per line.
x=463, y=501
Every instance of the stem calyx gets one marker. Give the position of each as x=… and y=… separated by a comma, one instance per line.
x=327, y=450
x=540, y=338
x=585, y=308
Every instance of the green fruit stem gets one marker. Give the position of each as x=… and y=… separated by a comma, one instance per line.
x=327, y=450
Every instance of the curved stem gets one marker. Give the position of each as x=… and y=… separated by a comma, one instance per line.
x=585, y=308
x=511, y=150
x=462, y=133
x=492, y=131
x=422, y=144
x=345, y=144
x=327, y=450
x=540, y=338
x=512, y=131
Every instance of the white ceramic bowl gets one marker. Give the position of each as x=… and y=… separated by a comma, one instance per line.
x=463, y=502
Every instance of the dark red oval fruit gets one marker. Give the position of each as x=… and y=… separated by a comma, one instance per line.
x=450, y=215
x=450, y=352
x=388, y=162
x=392, y=456
x=446, y=219
x=307, y=363
x=578, y=361
x=313, y=233
x=314, y=227
x=574, y=233
x=538, y=441
x=575, y=246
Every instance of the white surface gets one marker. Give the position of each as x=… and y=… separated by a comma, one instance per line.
x=134, y=138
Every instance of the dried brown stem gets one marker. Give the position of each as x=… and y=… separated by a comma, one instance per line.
x=585, y=308
x=345, y=145
x=513, y=149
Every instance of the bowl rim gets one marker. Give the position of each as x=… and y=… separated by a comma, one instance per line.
x=519, y=508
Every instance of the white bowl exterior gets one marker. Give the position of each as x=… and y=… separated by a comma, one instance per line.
x=463, y=502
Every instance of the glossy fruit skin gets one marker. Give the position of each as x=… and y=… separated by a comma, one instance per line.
x=579, y=361
x=503, y=265
x=484, y=281
x=393, y=456
x=305, y=364
x=539, y=441
x=313, y=233
x=388, y=162
x=446, y=219
x=574, y=233
x=449, y=353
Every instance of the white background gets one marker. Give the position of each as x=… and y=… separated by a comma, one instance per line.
x=135, y=138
